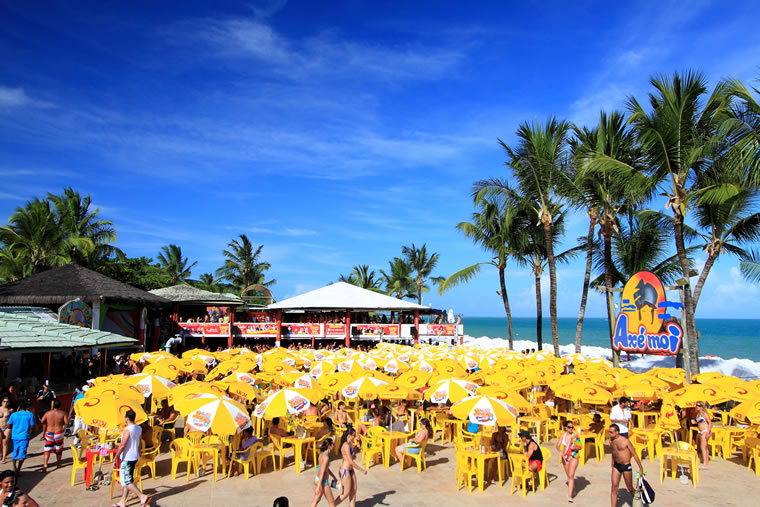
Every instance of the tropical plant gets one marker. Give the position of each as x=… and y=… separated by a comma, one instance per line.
x=493, y=229
x=207, y=282
x=742, y=131
x=398, y=280
x=140, y=272
x=176, y=267
x=366, y=278
x=33, y=238
x=422, y=266
x=349, y=278
x=750, y=266
x=242, y=266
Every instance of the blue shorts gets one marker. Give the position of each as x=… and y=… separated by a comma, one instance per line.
x=411, y=448
x=19, y=448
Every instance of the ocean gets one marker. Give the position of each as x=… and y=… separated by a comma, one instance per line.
x=734, y=343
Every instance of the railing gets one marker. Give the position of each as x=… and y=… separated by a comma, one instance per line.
x=318, y=330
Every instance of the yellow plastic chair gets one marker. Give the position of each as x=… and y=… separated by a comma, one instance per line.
x=682, y=455
x=281, y=449
x=418, y=458
x=261, y=453
x=715, y=445
x=521, y=474
x=543, y=477
x=147, y=459
x=182, y=452
x=116, y=478
x=639, y=443
x=375, y=445
x=195, y=437
x=436, y=421
x=465, y=469
x=77, y=463
x=248, y=463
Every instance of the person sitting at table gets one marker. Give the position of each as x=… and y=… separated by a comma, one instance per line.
x=325, y=408
x=246, y=442
x=532, y=452
x=549, y=398
x=166, y=413
x=597, y=424
x=500, y=441
x=312, y=411
x=276, y=430
x=326, y=429
x=341, y=416
x=147, y=434
x=401, y=412
x=414, y=446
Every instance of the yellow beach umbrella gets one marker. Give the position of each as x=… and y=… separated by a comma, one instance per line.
x=240, y=376
x=378, y=375
x=452, y=390
x=395, y=366
x=242, y=389
x=191, y=366
x=541, y=377
x=334, y=381
x=222, y=356
x=364, y=387
x=286, y=402
x=351, y=366
x=669, y=419
x=218, y=414
x=149, y=385
x=108, y=379
x=414, y=379
x=299, y=379
x=423, y=365
x=512, y=380
x=184, y=391
x=204, y=356
x=508, y=396
x=320, y=368
x=163, y=369
x=584, y=392
x=689, y=395
x=450, y=368
x=117, y=390
x=748, y=411
x=188, y=354
x=396, y=392
x=484, y=410
x=107, y=412
x=707, y=377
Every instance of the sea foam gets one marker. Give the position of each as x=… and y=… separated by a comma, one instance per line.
x=742, y=368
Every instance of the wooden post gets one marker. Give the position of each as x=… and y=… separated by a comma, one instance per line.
x=279, y=328
x=611, y=317
x=156, y=333
x=103, y=354
x=416, y=327
x=230, y=339
x=312, y=341
x=46, y=366
x=348, y=328
x=141, y=335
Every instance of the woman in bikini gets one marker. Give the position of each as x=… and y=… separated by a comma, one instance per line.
x=322, y=481
x=5, y=432
x=348, y=467
x=702, y=418
x=569, y=444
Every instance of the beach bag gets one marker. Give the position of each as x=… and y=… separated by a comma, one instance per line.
x=647, y=493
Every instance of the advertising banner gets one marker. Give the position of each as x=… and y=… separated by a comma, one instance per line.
x=377, y=329
x=206, y=328
x=304, y=329
x=75, y=312
x=442, y=329
x=643, y=325
x=257, y=328
x=335, y=330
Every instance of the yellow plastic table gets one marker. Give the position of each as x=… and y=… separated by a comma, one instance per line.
x=298, y=444
x=675, y=455
x=651, y=437
x=480, y=459
x=388, y=438
x=450, y=425
x=213, y=449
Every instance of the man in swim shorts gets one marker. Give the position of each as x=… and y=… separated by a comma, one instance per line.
x=52, y=432
x=622, y=451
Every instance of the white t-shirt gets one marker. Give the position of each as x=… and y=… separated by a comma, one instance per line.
x=621, y=414
x=131, y=450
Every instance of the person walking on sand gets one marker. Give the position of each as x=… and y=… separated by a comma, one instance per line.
x=621, y=415
x=348, y=467
x=21, y=423
x=52, y=432
x=129, y=452
x=622, y=451
x=5, y=432
x=322, y=482
x=569, y=444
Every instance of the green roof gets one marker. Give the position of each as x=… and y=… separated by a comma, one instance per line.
x=25, y=332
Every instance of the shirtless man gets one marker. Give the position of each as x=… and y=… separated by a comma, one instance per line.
x=622, y=451
x=52, y=432
x=341, y=416
x=5, y=432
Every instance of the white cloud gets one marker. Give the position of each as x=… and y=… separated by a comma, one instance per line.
x=13, y=97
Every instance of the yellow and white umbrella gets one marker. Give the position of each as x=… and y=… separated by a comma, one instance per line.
x=219, y=414
x=484, y=410
x=107, y=412
x=163, y=369
x=364, y=387
x=320, y=368
x=242, y=389
x=508, y=396
x=118, y=390
x=414, y=379
x=185, y=391
x=286, y=402
x=149, y=385
x=395, y=366
x=351, y=366
x=453, y=390
x=239, y=376
x=423, y=365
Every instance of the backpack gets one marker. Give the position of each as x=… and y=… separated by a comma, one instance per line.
x=647, y=493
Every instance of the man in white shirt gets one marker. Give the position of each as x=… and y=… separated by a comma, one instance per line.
x=621, y=415
x=129, y=452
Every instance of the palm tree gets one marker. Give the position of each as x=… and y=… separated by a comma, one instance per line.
x=540, y=164
x=174, y=265
x=207, y=282
x=242, y=266
x=33, y=237
x=366, y=278
x=750, y=266
x=677, y=136
x=349, y=278
x=606, y=196
x=86, y=238
x=12, y=266
x=491, y=228
x=398, y=281
x=422, y=266
x=742, y=130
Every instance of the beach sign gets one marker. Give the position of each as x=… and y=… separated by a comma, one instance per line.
x=644, y=325
x=75, y=312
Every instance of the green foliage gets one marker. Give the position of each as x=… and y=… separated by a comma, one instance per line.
x=140, y=272
x=422, y=266
x=243, y=266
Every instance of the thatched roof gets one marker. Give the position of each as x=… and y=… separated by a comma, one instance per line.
x=59, y=285
x=188, y=294
x=34, y=330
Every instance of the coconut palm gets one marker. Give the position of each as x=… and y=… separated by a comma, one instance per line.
x=398, y=280
x=678, y=134
x=366, y=278
x=541, y=166
x=750, y=266
x=492, y=228
x=87, y=238
x=349, y=278
x=170, y=260
x=422, y=266
x=742, y=130
x=33, y=237
x=605, y=196
x=243, y=266
x=207, y=282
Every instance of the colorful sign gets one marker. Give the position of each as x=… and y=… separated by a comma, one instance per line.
x=335, y=330
x=75, y=312
x=257, y=328
x=643, y=325
x=377, y=329
x=304, y=329
x=206, y=328
x=442, y=329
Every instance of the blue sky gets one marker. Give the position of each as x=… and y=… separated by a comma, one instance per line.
x=332, y=133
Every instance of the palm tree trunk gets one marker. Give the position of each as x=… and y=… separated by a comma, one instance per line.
x=688, y=300
x=505, y=299
x=711, y=258
x=419, y=291
x=608, y=278
x=552, y=286
x=539, y=308
x=586, y=279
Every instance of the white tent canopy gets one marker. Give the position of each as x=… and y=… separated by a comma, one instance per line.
x=344, y=296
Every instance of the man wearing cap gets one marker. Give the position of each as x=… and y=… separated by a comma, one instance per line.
x=621, y=415
x=532, y=452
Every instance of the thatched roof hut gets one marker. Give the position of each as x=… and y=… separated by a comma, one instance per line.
x=59, y=285
x=189, y=295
